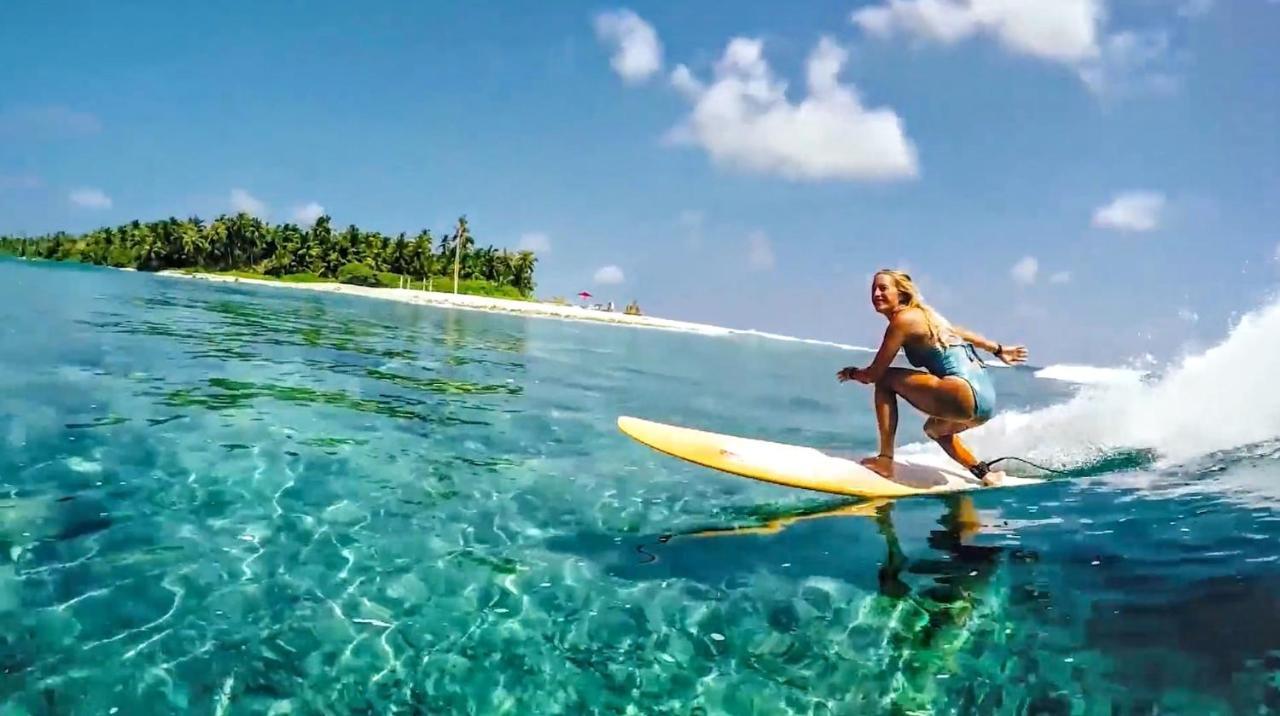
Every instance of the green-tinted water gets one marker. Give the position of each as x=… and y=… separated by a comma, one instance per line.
x=216, y=499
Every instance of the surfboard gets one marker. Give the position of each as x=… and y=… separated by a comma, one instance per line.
x=806, y=467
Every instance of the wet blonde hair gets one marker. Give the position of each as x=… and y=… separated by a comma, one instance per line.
x=909, y=297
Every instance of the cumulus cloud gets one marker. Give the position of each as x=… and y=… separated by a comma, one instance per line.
x=608, y=275
x=307, y=214
x=1058, y=30
x=1129, y=63
x=535, y=241
x=1060, y=277
x=90, y=198
x=744, y=119
x=1131, y=211
x=759, y=251
x=244, y=202
x=1024, y=272
x=637, y=51
x=1070, y=33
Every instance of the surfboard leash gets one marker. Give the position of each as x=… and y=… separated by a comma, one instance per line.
x=1028, y=462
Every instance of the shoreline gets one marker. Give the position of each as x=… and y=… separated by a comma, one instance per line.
x=488, y=304
x=1069, y=373
x=492, y=304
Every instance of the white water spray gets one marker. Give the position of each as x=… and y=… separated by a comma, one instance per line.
x=1223, y=398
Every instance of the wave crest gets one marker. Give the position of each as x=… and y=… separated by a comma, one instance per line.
x=1220, y=399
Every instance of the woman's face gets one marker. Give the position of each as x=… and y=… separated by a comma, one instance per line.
x=884, y=294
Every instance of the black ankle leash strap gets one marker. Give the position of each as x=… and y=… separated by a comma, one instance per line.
x=981, y=469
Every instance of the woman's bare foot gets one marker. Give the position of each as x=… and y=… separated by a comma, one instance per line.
x=993, y=478
x=881, y=465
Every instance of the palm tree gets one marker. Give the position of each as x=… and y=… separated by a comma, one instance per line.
x=193, y=245
x=289, y=249
x=523, y=279
x=423, y=260
x=395, y=255
x=461, y=238
x=216, y=237
x=242, y=241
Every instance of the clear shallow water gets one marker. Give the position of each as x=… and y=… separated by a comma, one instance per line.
x=222, y=499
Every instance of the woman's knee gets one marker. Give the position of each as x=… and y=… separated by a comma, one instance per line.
x=938, y=428
x=933, y=429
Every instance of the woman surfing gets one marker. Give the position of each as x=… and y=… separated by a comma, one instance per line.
x=955, y=389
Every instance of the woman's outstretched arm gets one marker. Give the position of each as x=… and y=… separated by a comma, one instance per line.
x=1008, y=354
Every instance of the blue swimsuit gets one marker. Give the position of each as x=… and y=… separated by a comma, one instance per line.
x=960, y=360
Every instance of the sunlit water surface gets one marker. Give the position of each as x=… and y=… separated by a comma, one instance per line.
x=225, y=499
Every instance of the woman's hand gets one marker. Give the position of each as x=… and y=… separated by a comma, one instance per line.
x=1012, y=354
x=853, y=373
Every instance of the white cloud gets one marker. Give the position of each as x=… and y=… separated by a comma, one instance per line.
x=637, y=52
x=1195, y=8
x=1071, y=33
x=759, y=251
x=1060, y=277
x=1276, y=255
x=744, y=119
x=90, y=198
x=1129, y=63
x=1131, y=211
x=1057, y=30
x=1188, y=315
x=307, y=214
x=244, y=202
x=609, y=275
x=1024, y=272
x=535, y=241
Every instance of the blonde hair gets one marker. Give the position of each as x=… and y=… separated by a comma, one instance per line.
x=909, y=297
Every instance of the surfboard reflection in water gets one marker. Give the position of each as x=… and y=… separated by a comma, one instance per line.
x=923, y=627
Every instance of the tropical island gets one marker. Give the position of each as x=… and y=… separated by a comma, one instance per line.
x=245, y=246
x=450, y=271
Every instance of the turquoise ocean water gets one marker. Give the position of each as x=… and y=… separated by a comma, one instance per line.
x=221, y=499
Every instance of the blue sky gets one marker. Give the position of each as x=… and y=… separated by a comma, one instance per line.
x=1098, y=179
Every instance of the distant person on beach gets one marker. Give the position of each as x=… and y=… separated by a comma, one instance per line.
x=955, y=390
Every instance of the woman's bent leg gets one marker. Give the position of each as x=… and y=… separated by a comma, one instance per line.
x=949, y=399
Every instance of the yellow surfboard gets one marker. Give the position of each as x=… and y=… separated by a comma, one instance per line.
x=806, y=467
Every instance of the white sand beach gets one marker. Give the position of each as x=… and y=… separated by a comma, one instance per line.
x=476, y=303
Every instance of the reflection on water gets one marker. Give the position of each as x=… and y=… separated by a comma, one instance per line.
x=927, y=625
x=217, y=499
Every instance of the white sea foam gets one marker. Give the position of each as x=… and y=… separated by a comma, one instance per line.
x=1090, y=375
x=1217, y=400
x=793, y=339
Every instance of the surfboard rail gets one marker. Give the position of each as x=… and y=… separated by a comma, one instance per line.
x=804, y=467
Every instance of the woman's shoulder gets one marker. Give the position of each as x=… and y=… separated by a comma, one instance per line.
x=910, y=318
